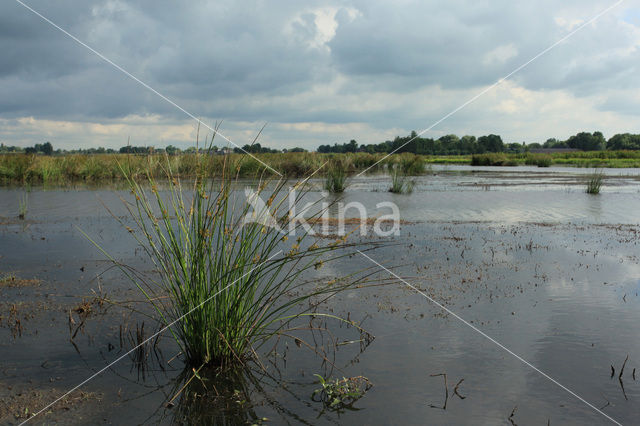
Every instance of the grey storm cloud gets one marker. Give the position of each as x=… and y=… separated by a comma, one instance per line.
x=278, y=61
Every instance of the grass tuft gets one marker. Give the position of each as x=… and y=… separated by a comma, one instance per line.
x=336, y=176
x=225, y=272
x=23, y=205
x=400, y=183
x=594, y=182
x=412, y=165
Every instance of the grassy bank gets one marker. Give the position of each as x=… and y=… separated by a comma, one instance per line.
x=98, y=168
x=613, y=159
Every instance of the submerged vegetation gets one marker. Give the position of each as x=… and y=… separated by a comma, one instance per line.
x=228, y=279
x=594, y=182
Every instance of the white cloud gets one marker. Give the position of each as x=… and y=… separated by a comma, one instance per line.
x=500, y=54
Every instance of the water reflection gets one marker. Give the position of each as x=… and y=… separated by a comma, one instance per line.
x=231, y=396
x=213, y=397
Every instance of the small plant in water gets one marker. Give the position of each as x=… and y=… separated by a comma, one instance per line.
x=594, y=182
x=400, y=183
x=23, y=204
x=341, y=393
x=336, y=178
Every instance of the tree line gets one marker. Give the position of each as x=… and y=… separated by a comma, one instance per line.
x=47, y=149
x=445, y=145
x=465, y=145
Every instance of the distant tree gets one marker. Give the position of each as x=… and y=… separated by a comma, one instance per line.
x=297, y=149
x=587, y=141
x=449, y=144
x=468, y=145
x=47, y=148
x=534, y=145
x=623, y=141
x=171, y=150
x=554, y=143
x=491, y=143
x=515, y=147
x=30, y=150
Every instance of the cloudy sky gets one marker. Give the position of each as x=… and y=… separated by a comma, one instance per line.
x=315, y=72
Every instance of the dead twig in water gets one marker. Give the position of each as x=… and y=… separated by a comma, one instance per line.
x=620, y=378
x=623, y=391
x=455, y=389
x=622, y=369
x=513, y=413
x=446, y=391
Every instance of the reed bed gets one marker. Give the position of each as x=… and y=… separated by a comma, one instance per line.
x=106, y=168
x=97, y=168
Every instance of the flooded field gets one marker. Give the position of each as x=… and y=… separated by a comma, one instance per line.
x=522, y=254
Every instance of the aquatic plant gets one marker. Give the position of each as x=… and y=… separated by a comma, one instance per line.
x=400, y=183
x=594, y=182
x=540, y=160
x=23, y=205
x=226, y=273
x=97, y=168
x=493, y=159
x=364, y=160
x=336, y=176
x=412, y=165
x=341, y=393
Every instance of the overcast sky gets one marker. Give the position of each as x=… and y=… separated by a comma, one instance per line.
x=315, y=72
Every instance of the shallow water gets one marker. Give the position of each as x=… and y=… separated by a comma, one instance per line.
x=541, y=267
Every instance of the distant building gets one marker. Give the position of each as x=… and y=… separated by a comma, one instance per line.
x=552, y=150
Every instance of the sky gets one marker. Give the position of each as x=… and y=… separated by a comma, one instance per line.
x=315, y=72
